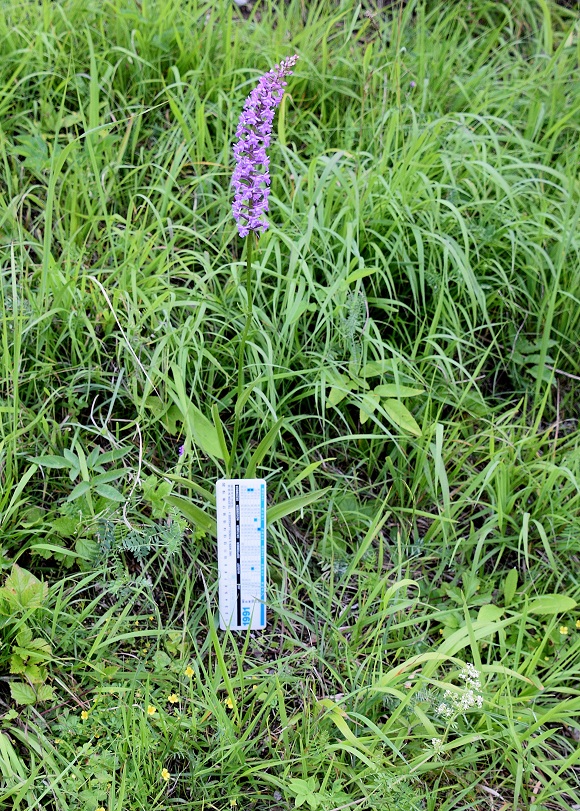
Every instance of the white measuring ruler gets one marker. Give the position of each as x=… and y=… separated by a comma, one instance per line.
x=241, y=531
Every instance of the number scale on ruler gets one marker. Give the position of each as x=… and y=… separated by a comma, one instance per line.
x=241, y=526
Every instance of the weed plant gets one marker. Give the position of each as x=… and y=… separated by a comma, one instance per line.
x=410, y=394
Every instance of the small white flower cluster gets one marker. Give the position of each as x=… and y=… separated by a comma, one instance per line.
x=471, y=677
x=469, y=697
x=437, y=745
x=444, y=710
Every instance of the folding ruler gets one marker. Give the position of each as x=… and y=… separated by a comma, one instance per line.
x=241, y=530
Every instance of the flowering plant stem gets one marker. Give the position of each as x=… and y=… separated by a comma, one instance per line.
x=242, y=348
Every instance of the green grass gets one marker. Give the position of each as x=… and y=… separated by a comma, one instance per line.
x=424, y=235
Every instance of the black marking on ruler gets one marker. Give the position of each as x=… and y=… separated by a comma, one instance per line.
x=238, y=556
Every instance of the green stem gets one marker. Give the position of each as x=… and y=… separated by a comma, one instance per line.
x=242, y=347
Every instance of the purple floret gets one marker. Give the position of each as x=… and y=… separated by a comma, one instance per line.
x=251, y=178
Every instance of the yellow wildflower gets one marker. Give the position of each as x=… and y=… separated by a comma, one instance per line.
x=577, y=623
x=101, y=808
x=233, y=803
x=84, y=715
x=165, y=774
x=151, y=710
x=563, y=630
x=229, y=703
x=189, y=672
x=173, y=698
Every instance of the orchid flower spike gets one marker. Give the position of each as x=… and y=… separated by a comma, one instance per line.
x=251, y=177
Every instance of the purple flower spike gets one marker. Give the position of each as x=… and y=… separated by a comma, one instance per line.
x=251, y=178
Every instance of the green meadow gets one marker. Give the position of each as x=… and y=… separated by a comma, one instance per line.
x=409, y=390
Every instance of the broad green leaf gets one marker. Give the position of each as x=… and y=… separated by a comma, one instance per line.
x=89, y=798
x=193, y=513
x=44, y=693
x=156, y=405
x=107, y=491
x=161, y=660
x=336, y=395
x=65, y=527
x=72, y=457
x=292, y=505
x=510, y=585
x=170, y=419
x=489, y=613
x=304, y=791
x=54, y=462
x=368, y=406
x=23, y=590
x=551, y=604
x=543, y=372
x=34, y=674
x=340, y=386
x=401, y=416
x=113, y=456
x=24, y=636
x=204, y=433
x=93, y=457
x=22, y=693
x=394, y=390
x=374, y=368
x=32, y=516
x=17, y=664
x=108, y=476
x=37, y=649
x=78, y=491
x=86, y=549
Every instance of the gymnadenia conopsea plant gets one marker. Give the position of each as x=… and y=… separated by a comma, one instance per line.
x=251, y=183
